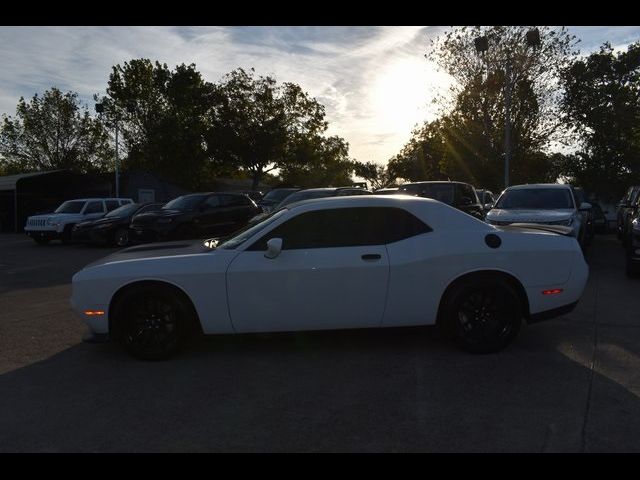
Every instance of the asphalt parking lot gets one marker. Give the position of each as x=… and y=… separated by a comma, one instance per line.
x=566, y=385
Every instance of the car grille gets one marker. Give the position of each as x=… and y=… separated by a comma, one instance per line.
x=36, y=222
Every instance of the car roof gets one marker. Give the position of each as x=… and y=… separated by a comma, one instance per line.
x=540, y=185
x=96, y=199
x=448, y=182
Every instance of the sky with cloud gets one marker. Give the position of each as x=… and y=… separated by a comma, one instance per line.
x=374, y=81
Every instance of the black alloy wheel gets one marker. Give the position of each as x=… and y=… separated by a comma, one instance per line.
x=151, y=322
x=484, y=316
x=121, y=237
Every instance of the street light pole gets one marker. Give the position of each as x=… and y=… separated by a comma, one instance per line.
x=507, y=123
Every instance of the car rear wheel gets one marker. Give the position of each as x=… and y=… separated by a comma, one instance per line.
x=151, y=322
x=121, y=237
x=483, y=314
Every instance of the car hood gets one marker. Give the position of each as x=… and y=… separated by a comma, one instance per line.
x=529, y=216
x=154, y=250
x=57, y=216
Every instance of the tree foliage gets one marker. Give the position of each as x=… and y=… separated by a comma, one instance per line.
x=53, y=131
x=163, y=118
x=471, y=127
x=259, y=126
x=602, y=106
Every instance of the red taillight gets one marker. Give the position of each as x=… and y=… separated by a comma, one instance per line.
x=94, y=312
x=553, y=291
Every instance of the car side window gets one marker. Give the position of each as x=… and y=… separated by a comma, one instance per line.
x=344, y=227
x=111, y=204
x=94, y=207
x=233, y=200
x=212, y=202
x=467, y=191
x=401, y=224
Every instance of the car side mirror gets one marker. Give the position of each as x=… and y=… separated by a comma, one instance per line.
x=274, y=247
x=488, y=206
x=585, y=206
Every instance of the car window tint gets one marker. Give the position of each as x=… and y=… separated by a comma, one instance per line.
x=344, y=227
x=94, y=207
x=212, y=202
x=463, y=190
x=401, y=224
x=232, y=200
x=112, y=204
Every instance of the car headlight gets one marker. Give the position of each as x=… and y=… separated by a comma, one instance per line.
x=635, y=225
x=53, y=221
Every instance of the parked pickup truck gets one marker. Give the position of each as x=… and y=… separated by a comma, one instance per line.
x=59, y=224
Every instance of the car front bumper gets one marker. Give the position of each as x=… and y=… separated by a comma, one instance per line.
x=43, y=234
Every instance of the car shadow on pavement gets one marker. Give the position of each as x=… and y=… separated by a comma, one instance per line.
x=387, y=390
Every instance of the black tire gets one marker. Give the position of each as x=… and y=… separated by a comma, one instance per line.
x=121, y=237
x=152, y=321
x=483, y=314
x=41, y=241
x=632, y=268
x=66, y=234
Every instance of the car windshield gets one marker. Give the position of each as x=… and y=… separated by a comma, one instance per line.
x=72, y=206
x=248, y=231
x=536, y=198
x=123, y=211
x=305, y=195
x=278, y=195
x=186, y=202
x=438, y=191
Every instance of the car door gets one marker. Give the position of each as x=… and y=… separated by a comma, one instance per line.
x=332, y=272
x=94, y=209
x=210, y=216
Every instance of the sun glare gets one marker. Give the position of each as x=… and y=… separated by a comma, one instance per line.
x=402, y=93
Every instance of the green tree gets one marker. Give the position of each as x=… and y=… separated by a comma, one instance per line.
x=318, y=162
x=374, y=173
x=163, y=117
x=53, y=131
x=257, y=124
x=602, y=106
x=474, y=114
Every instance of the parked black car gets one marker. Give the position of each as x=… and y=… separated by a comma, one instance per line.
x=274, y=197
x=587, y=215
x=633, y=248
x=322, y=193
x=457, y=194
x=628, y=209
x=197, y=215
x=112, y=228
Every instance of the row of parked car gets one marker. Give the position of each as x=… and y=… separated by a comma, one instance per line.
x=120, y=222
x=628, y=228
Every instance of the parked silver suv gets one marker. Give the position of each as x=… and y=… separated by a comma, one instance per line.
x=58, y=225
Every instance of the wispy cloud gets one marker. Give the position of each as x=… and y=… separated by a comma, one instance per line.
x=374, y=81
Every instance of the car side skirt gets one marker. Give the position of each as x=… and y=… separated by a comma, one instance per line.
x=553, y=313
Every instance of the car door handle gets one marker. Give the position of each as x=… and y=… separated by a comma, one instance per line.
x=371, y=256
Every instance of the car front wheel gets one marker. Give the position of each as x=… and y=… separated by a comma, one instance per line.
x=121, y=237
x=151, y=322
x=483, y=314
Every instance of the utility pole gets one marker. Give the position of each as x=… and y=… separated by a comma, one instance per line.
x=117, y=162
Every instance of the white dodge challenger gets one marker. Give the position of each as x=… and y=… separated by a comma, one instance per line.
x=345, y=262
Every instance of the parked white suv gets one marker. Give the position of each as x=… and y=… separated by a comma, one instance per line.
x=544, y=203
x=58, y=225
